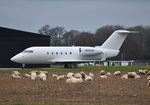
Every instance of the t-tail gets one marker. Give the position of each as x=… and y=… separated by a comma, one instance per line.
x=116, y=39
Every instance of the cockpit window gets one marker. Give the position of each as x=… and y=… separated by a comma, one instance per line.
x=27, y=51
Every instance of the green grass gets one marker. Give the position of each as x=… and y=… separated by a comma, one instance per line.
x=61, y=68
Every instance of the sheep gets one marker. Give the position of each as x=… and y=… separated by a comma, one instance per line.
x=148, y=83
x=88, y=78
x=137, y=77
x=125, y=76
x=148, y=73
x=148, y=77
x=143, y=72
x=83, y=75
x=61, y=77
x=70, y=75
x=108, y=74
x=103, y=77
x=74, y=80
x=132, y=74
x=14, y=76
x=102, y=72
x=16, y=73
x=27, y=75
x=54, y=75
x=77, y=75
x=43, y=75
x=116, y=73
x=33, y=75
x=91, y=74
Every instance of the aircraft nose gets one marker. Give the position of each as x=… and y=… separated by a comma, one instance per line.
x=16, y=58
x=13, y=59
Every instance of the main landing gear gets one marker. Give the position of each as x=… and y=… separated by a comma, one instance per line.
x=70, y=65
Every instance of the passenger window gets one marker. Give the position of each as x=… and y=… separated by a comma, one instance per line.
x=70, y=53
x=65, y=53
x=61, y=53
x=56, y=53
x=47, y=53
x=52, y=53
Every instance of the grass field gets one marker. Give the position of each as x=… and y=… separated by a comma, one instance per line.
x=57, y=68
x=36, y=104
x=61, y=69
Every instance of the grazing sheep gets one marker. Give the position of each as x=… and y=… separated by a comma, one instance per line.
x=116, y=73
x=88, y=78
x=102, y=72
x=61, y=77
x=43, y=75
x=70, y=75
x=16, y=73
x=148, y=73
x=83, y=75
x=77, y=75
x=91, y=74
x=108, y=74
x=143, y=72
x=148, y=83
x=148, y=77
x=54, y=75
x=14, y=76
x=125, y=76
x=74, y=80
x=33, y=75
x=137, y=77
x=27, y=75
x=103, y=77
x=132, y=74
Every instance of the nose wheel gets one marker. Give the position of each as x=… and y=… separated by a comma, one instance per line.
x=23, y=66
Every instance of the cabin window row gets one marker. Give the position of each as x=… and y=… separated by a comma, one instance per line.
x=61, y=53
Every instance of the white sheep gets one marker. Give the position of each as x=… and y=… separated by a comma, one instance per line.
x=83, y=75
x=132, y=74
x=102, y=72
x=148, y=83
x=91, y=74
x=27, y=75
x=61, y=77
x=103, y=77
x=70, y=75
x=137, y=77
x=108, y=74
x=143, y=72
x=88, y=78
x=74, y=80
x=148, y=73
x=116, y=73
x=77, y=75
x=14, y=76
x=54, y=75
x=33, y=75
x=16, y=73
x=43, y=75
x=125, y=76
x=148, y=77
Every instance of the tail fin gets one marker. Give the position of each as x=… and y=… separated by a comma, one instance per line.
x=116, y=39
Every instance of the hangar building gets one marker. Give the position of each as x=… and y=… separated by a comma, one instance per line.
x=14, y=41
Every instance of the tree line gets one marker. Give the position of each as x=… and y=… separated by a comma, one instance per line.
x=135, y=47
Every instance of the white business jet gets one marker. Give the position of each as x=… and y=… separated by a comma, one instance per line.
x=75, y=54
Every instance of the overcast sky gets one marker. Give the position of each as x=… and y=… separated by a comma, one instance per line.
x=82, y=15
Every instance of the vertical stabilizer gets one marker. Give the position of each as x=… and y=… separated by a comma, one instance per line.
x=116, y=39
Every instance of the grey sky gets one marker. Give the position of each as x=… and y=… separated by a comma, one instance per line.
x=83, y=15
